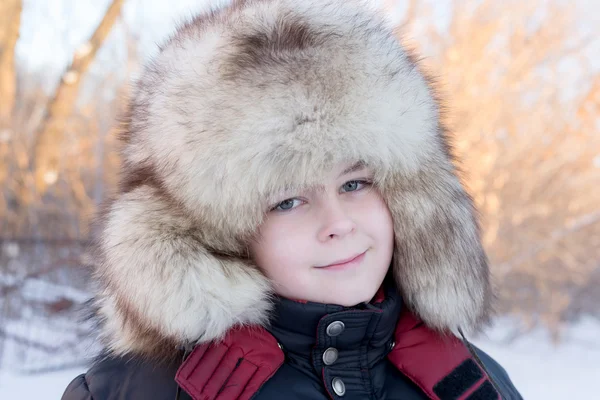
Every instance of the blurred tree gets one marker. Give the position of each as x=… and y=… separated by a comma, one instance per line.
x=10, y=21
x=50, y=135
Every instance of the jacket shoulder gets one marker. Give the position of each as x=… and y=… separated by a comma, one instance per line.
x=235, y=367
x=78, y=389
x=122, y=377
x=499, y=375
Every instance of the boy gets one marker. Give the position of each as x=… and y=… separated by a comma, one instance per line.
x=289, y=224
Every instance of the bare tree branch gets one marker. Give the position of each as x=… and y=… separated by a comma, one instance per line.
x=555, y=236
x=10, y=21
x=51, y=133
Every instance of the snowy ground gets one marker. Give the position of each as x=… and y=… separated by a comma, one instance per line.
x=541, y=370
x=538, y=369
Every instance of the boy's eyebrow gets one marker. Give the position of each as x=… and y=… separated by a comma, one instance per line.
x=357, y=166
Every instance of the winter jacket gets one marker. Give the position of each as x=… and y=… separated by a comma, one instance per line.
x=243, y=103
x=313, y=351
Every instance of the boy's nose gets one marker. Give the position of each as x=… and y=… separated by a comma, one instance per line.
x=335, y=223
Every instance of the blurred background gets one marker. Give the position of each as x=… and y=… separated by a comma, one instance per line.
x=520, y=81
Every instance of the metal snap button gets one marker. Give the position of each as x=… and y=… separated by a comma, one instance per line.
x=330, y=356
x=338, y=386
x=335, y=328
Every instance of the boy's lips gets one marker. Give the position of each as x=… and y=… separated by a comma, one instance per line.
x=345, y=262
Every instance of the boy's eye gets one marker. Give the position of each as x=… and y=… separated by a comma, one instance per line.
x=352, y=186
x=285, y=205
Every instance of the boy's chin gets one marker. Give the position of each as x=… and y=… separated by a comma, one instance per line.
x=350, y=299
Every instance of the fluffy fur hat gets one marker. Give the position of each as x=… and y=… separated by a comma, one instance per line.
x=245, y=101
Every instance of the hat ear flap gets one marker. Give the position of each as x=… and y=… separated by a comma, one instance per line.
x=161, y=281
x=440, y=265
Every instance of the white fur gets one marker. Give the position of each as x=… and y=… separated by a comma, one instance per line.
x=167, y=278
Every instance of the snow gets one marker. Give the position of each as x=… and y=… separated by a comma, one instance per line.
x=46, y=386
x=38, y=345
x=538, y=369
x=43, y=290
x=542, y=370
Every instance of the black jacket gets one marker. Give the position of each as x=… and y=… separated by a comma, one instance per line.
x=356, y=357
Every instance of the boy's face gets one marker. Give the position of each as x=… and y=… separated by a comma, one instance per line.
x=306, y=232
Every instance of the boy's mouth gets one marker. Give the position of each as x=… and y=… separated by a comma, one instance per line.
x=356, y=259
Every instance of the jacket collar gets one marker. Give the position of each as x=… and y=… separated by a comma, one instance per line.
x=306, y=329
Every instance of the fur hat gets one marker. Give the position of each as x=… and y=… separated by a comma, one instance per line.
x=245, y=101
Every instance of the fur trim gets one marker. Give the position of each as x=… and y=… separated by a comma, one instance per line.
x=252, y=99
